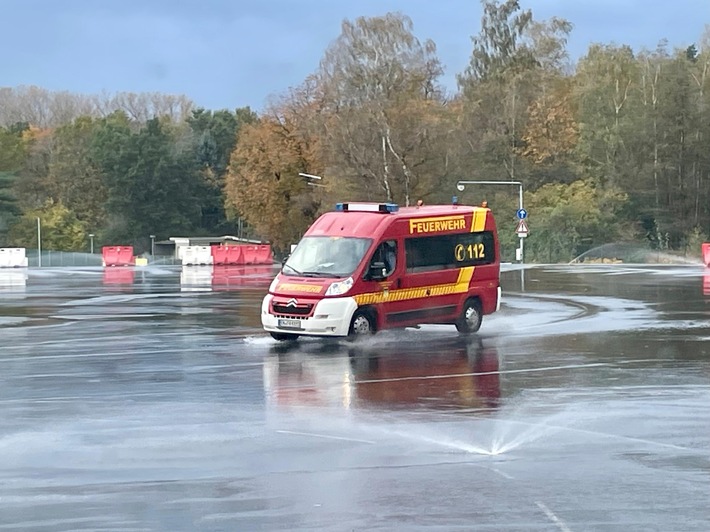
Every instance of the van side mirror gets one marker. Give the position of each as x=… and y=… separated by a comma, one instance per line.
x=377, y=271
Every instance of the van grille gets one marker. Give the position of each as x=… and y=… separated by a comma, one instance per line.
x=298, y=310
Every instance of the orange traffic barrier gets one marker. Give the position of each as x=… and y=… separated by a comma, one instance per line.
x=219, y=255
x=227, y=255
x=264, y=255
x=258, y=254
x=241, y=254
x=118, y=256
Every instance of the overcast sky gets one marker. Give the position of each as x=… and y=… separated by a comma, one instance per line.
x=233, y=53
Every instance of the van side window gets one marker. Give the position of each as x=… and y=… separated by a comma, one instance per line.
x=444, y=252
x=386, y=253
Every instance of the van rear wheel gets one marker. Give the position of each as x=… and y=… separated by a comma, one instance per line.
x=471, y=317
x=362, y=324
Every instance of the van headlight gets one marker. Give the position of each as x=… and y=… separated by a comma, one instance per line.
x=340, y=287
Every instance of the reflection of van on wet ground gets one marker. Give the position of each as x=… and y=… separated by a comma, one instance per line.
x=440, y=374
x=366, y=267
x=458, y=373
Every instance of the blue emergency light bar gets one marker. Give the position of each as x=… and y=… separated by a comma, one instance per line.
x=367, y=207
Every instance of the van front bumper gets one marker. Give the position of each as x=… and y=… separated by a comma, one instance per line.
x=331, y=317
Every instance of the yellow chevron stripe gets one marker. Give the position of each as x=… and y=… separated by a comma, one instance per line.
x=465, y=275
x=479, y=220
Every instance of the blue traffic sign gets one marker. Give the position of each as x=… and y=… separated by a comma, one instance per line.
x=522, y=214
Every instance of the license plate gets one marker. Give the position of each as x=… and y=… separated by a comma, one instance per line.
x=289, y=324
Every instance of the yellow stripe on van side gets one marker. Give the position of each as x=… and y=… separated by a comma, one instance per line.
x=407, y=294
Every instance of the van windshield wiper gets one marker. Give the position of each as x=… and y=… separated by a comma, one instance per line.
x=294, y=270
x=322, y=274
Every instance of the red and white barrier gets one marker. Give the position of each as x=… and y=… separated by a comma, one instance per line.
x=706, y=253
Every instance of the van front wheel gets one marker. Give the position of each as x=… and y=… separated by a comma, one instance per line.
x=471, y=317
x=362, y=324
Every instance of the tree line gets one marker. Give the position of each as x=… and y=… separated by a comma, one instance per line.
x=612, y=148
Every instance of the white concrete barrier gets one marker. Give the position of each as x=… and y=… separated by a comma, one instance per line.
x=197, y=255
x=13, y=258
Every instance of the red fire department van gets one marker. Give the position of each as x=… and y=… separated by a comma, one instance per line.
x=367, y=267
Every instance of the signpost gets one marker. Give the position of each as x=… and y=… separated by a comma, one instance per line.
x=522, y=229
x=39, y=243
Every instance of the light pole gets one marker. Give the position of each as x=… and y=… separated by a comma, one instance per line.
x=461, y=185
x=310, y=176
x=152, y=245
x=91, y=239
x=39, y=243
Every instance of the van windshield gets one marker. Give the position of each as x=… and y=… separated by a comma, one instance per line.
x=326, y=256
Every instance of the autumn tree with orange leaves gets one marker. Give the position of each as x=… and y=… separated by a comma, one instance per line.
x=551, y=132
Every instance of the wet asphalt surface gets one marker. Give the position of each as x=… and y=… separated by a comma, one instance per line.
x=150, y=399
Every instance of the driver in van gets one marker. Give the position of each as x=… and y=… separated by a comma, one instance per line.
x=390, y=256
x=386, y=255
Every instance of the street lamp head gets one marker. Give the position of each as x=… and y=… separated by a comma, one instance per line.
x=309, y=176
x=152, y=236
x=460, y=187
